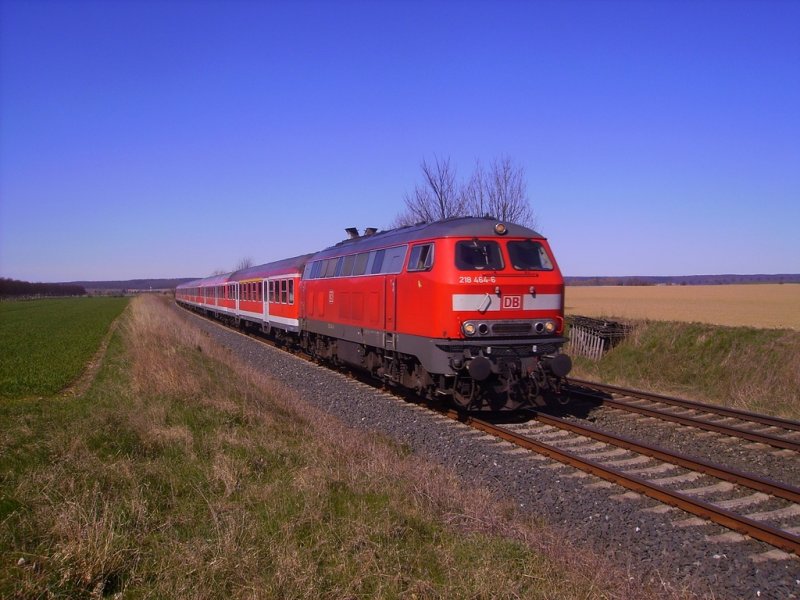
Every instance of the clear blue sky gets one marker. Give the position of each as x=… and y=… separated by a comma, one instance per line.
x=170, y=139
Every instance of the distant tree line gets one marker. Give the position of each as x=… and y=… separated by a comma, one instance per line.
x=684, y=279
x=16, y=288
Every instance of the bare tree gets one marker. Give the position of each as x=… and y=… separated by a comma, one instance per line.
x=475, y=193
x=244, y=263
x=500, y=193
x=438, y=197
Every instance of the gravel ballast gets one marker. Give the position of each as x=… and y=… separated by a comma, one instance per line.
x=659, y=544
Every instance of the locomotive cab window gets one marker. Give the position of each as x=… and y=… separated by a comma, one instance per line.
x=478, y=255
x=421, y=258
x=528, y=255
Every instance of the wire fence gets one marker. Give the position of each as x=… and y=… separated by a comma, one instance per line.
x=592, y=338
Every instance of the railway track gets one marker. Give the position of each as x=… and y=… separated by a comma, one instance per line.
x=763, y=429
x=657, y=472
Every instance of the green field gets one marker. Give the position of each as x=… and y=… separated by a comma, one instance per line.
x=45, y=344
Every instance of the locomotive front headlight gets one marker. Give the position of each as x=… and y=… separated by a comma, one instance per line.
x=549, y=327
x=469, y=328
x=500, y=229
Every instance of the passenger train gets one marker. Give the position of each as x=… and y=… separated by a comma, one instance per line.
x=468, y=308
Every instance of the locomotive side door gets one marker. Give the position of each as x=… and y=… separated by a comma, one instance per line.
x=391, y=302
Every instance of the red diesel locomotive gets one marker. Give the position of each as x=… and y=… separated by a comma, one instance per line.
x=469, y=308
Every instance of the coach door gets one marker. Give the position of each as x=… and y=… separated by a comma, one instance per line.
x=265, y=297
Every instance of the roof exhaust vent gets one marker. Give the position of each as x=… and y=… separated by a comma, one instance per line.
x=370, y=231
x=352, y=232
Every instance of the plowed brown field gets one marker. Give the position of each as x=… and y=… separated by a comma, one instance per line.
x=765, y=306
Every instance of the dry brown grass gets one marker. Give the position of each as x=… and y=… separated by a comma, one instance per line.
x=742, y=367
x=767, y=305
x=190, y=475
x=354, y=461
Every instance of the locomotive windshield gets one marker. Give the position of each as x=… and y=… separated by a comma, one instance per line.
x=478, y=255
x=529, y=256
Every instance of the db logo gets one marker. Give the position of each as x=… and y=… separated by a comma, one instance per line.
x=511, y=302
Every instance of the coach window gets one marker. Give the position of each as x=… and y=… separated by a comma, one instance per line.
x=478, y=255
x=283, y=291
x=291, y=291
x=421, y=258
x=360, y=266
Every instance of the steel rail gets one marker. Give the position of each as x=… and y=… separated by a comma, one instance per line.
x=760, y=531
x=711, y=408
x=763, y=438
x=761, y=484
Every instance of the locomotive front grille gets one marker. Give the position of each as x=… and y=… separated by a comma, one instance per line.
x=511, y=328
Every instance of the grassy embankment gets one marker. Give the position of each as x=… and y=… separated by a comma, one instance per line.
x=744, y=367
x=181, y=473
x=45, y=344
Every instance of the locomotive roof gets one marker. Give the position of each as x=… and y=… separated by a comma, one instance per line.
x=455, y=227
